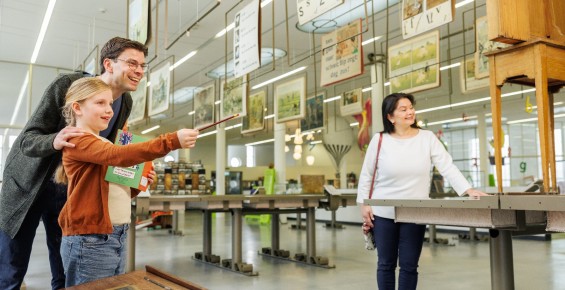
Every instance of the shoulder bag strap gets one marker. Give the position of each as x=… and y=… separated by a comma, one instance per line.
x=376, y=163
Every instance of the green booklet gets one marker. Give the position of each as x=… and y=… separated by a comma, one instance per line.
x=134, y=176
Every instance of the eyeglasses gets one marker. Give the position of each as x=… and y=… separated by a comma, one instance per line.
x=134, y=64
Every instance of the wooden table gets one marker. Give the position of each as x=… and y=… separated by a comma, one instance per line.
x=151, y=278
x=539, y=63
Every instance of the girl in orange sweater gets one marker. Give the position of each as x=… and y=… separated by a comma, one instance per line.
x=96, y=217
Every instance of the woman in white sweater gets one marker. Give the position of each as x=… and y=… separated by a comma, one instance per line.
x=403, y=171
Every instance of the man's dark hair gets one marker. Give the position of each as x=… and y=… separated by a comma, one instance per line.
x=115, y=46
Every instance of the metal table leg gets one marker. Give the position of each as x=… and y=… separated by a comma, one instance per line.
x=501, y=260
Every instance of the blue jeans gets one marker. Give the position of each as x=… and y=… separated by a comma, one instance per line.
x=400, y=242
x=15, y=253
x=91, y=257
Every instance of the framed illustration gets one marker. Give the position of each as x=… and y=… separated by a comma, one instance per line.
x=483, y=44
x=90, y=63
x=419, y=16
x=255, y=119
x=139, y=100
x=160, y=88
x=414, y=64
x=204, y=106
x=467, y=75
x=138, y=20
x=342, y=54
x=351, y=102
x=290, y=99
x=233, y=95
x=314, y=118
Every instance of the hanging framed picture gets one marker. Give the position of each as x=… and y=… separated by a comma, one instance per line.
x=139, y=100
x=139, y=21
x=314, y=118
x=233, y=96
x=90, y=63
x=204, y=106
x=419, y=16
x=467, y=75
x=160, y=88
x=414, y=64
x=483, y=44
x=290, y=99
x=351, y=102
x=255, y=119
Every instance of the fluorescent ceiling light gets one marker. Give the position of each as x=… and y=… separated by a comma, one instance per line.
x=463, y=3
x=278, y=78
x=387, y=84
x=354, y=124
x=366, y=89
x=554, y=104
x=150, y=129
x=43, y=29
x=532, y=119
x=182, y=60
x=217, y=102
x=207, y=134
x=191, y=113
x=20, y=98
x=223, y=31
x=450, y=66
x=316, y=142
x=473, y=101
x=260, y=142
x=332, y=99
x=451, y=120
x=371, y=40
x=269, y=116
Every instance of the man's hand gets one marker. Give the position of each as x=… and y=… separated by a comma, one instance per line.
x=151, y=176
x=67, y=133
x=187, y=137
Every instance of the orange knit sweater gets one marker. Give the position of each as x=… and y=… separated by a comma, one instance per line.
x=86, y=209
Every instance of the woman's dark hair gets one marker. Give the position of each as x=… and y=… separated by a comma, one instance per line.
x=115, y=46
x=389, y=105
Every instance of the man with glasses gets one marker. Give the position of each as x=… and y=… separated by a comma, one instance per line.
x=28, y=192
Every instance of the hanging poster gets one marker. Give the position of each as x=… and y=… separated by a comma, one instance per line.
x=342, y=54
x=246, y=39
x=483, y=45
x=160, y=89
x=138, y=22
x=308, y=9
x=351, y=102
x=255, y=119
x=139, y=99
x=204, y=106
x=419, y=16
x=414, y=64
x=314, y=118
x=234, y=92
x=468, y=81
x=289, y=100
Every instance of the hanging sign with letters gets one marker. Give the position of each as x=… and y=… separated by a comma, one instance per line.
x=310, y=9
x=419, y=16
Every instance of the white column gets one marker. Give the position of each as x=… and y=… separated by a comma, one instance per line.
x=221, y=159
x=377, y=96
x=343, y=173
x=483, y=147
x=280, y=158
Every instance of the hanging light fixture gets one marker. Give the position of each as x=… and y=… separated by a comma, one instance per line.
x=310, y=160
x=296, y=156
x=298, y=137
x=286, y=149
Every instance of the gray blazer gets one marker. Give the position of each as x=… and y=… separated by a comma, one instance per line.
x=33, y=160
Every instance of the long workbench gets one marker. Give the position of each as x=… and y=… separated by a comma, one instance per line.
x=240, y=205
x=504, y=216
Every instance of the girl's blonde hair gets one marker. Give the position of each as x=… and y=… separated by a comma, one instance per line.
x=79, y=91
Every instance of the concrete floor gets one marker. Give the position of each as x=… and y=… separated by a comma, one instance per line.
x=537, y=264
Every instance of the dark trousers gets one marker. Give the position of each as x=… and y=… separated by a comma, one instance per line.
x=400, y=242
x=15, y=253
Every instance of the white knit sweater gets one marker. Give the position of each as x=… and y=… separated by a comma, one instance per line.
x=404, y=169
